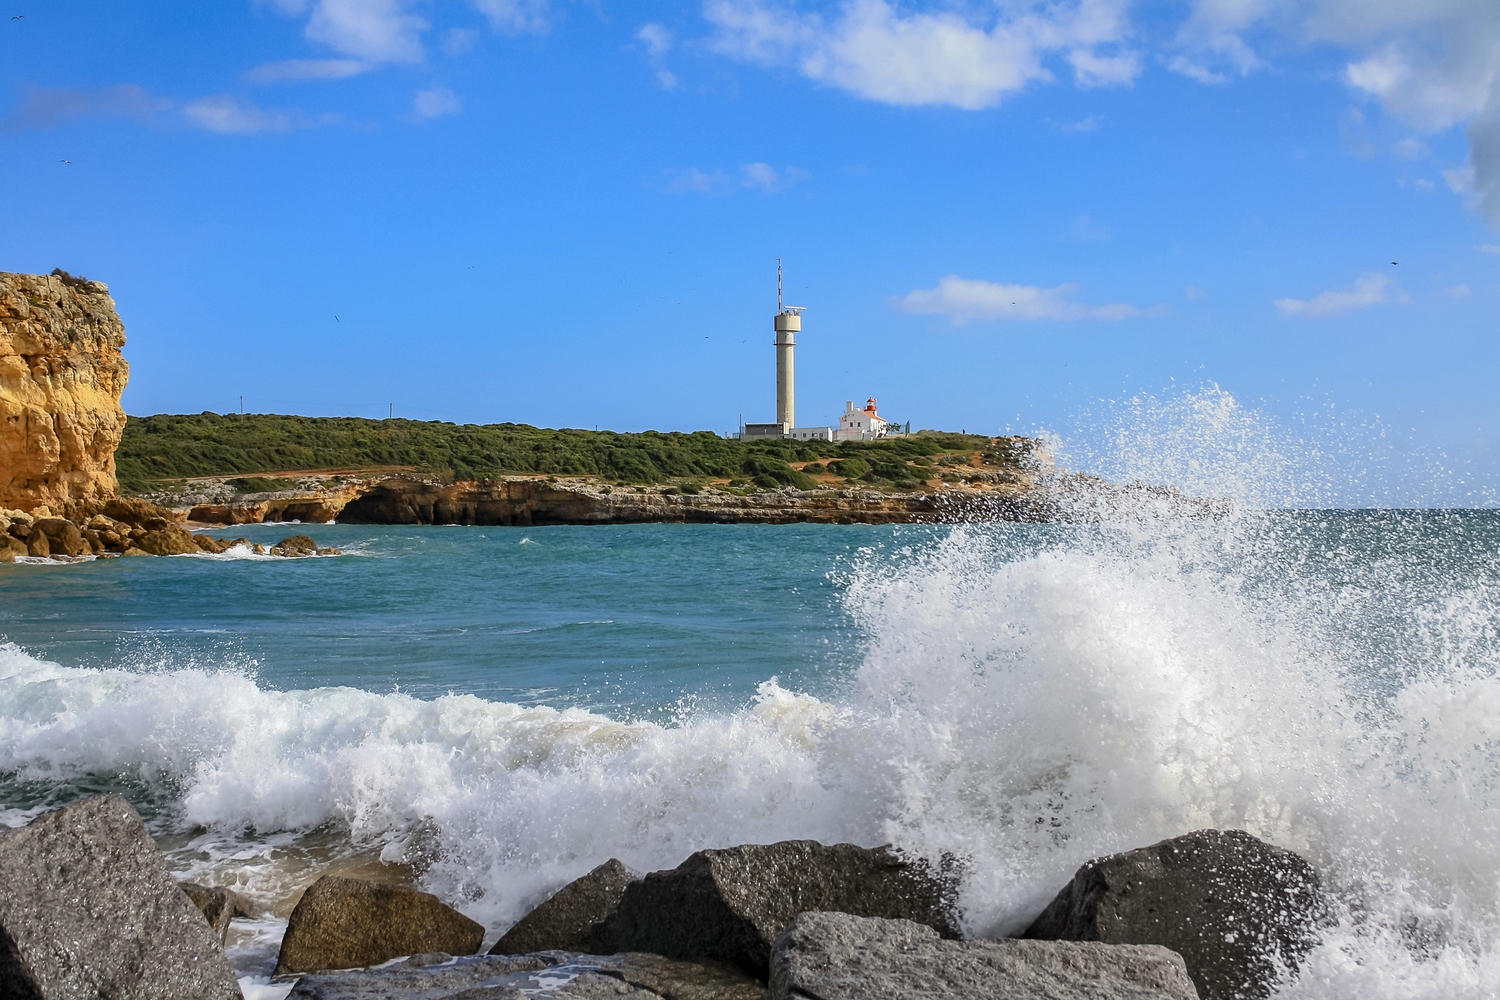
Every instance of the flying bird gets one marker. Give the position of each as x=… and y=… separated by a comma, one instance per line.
x=336, y=319
x=68, y=162
x=1394, y=264
x=17, y=17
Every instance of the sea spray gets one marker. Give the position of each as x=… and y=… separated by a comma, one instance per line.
x=1029, y=696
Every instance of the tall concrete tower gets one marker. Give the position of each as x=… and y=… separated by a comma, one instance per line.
x=788, y=325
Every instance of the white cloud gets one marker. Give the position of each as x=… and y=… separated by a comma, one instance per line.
x=46, y=107
x=966, y=299
x=1459, y=291
x=768, y=180
x=373, y=30
x=1370, y=289
x=1488, y=248
x=658, y=42
x=227, y=114
x=938, y=57
x=306, y=69
x=436, y=102
x=516, y=17
x=760, y=177
x=1195, y=293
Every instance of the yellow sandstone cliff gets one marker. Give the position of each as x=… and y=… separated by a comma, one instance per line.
x=61, y=375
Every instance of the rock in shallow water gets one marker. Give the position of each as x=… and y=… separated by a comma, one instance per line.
x=1233, y=906
x=218, y=905
x=88, y=909
x=835, y=956
x=346, y=923
x=568, y=920
x=730, y=904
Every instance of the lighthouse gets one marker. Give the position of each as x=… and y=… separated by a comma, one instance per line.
x=788, y=325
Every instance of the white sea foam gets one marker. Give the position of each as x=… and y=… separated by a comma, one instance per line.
x=1027, y=701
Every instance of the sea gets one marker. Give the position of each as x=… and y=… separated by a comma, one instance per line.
x=487, y=713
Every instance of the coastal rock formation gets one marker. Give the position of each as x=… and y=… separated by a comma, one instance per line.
x=1233, y=906
x=61, y=375
x=729, y=905
x=346, y=923
x=835, y=956
x=88, y=909
x=218, y=905
x=569, y=920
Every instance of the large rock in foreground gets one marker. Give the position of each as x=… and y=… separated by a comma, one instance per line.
x=61, y=375
x=88, y=909
x=569, y=920
x=551, y=975
x=730, y=904
x=835, y=956
x=346, y=923
x=1231, y=905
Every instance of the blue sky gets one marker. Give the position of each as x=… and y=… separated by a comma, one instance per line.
x=1000, y=215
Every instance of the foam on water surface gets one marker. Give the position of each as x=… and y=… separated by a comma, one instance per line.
x=1027, y=698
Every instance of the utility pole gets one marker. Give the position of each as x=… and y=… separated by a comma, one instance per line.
x=390, y=412
x=242, y=406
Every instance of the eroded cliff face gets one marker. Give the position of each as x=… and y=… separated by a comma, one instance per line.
x=61, y=375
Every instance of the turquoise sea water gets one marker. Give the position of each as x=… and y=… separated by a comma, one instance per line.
x=491, y=711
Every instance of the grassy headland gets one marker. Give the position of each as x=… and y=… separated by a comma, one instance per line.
x=166, y=448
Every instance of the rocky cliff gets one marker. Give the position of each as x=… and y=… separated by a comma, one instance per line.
x=61, y=375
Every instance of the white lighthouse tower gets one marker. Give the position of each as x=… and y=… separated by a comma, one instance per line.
x=788, y=325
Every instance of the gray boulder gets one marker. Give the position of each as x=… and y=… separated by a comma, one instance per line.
x=551, y=975
x=730, y=904
x=1231, y=905
x=568, y=920
x=836, y=956
x=217, y=904
x=89, y=909
x=347, y=923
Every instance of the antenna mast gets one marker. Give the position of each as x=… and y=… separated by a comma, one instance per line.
x=778, y=284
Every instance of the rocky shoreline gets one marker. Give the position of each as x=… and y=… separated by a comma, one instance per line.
x=536, y=500
x=121, y=527
x=88, y=908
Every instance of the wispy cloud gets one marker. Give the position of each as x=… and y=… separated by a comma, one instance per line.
x=437, y=102
x=306, y=69
x=47, y=107
x=658, y=42
x=230, y=115
x=931, y=57
x=1488, y=248
x=1371, y=289
x=1085, y=230
x=376, y=32
x=760, y=177
x=514, y=17
x=968, y=299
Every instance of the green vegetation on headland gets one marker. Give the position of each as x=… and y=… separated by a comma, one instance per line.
x=168, y=447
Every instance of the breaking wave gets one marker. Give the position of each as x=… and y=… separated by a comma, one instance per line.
x=1030, y=697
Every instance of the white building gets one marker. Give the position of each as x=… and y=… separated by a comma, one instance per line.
x=864, y=425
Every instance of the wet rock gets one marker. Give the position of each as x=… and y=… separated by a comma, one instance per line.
x=836, y=956
x=88, y=909
x=569, y=919
x=679, y=980
x=218, y=905
x=168, y=541
x=1233, y=906
x=63, y=536
x=551, y=975
x=345, y=923
x=296, y=545
x=729, y=905
x=11, y=547
x=38, y=544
